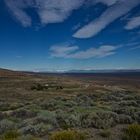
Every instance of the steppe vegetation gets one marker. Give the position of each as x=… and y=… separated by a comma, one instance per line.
x=82, y=109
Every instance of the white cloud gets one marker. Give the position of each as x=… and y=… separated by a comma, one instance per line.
x=114, y=12
x=62, y=50
x=16, y=8
x=68, y=51
x=49, y=11
x=53, y=11
x=133, y=23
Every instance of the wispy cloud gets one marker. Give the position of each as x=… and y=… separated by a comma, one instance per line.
x=133, y=23
x=120, y=8
x=62, y=50
x=49, y=11
x=74, y=52
x=53, y=11
x=16, y=8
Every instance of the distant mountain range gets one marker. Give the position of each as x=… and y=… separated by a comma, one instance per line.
x=91, y=71
x=6, y=72
x=104, y=71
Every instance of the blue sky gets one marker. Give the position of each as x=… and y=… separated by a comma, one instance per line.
x=42, y=35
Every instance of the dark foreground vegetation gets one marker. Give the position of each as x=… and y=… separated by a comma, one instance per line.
x=66, y=108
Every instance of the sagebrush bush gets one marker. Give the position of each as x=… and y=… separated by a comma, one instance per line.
x=48, y=117
x=1, y=116
x=26, y=122
x=126, y=110
x=6, y=125
x=37, y=130
x=137, y=116
x=4, y=106
x=48, y=105
x=132, y=132
x=125, y=119
x=23, y=113
x=128, y=103
x=67, y=135
x=37, y=87
x=90, y=120
x=68, y=120
x=128, y=97
x=102, y=119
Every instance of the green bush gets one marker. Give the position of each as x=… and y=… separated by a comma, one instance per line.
x=4, y=106
x=128, y=103
x=1, y=116
x=67, y=135
x=23, y=113
x=68, y=120
x=37, y=87
x=48, y=105
x=6, y=125
x=101, y=119
x=37, y=130
x=125, y=119
x=48, y=117
x=137, y=116
x=132, y=132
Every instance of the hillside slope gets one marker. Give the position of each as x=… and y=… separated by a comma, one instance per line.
x=11, y=73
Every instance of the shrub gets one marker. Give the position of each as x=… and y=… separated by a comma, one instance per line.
x=68, y=120
x=137, y=116
x=128, y=103
x=90, y=120
x=47, y=117
x=128, y=97
x=125, y=119
x=101, y=119
x=4, y=106
x=48, y=105
x=39, y=87
x=83, y=100
x=24, y=123
x=132, y=132
x=6, y=125
x=37, y=130
x=1, y=116
x=67, y=135
x=23, y=113
x=110, y=98
x=14, y=106
x=126, y=110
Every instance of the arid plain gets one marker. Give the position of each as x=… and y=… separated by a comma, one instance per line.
x=86, y=106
